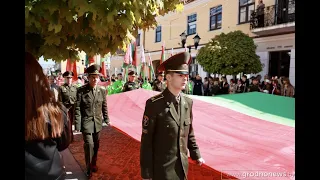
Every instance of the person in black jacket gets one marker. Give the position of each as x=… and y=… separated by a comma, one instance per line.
x=46, y=126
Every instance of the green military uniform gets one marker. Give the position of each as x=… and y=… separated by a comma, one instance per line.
x=67, y=95
x=129, y=86
x=159, y=85
x=91, y=111
x=167, y=132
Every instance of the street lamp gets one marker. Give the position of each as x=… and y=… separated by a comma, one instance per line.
x=196, y=40
x=183, y=38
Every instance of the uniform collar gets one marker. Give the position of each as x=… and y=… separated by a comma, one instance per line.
x=170, y=97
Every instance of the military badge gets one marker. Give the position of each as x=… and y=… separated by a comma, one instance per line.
x=145, y=121
x=144, y=131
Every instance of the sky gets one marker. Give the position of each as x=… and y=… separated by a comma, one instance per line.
x=44, y=64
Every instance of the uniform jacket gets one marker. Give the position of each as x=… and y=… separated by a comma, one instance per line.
x=167, y=137
x=158, y=86
x=90, y=110
x=68, y=95
x=129, y=86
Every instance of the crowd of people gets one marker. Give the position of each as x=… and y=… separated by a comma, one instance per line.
x=210, y=86
x=215, y=86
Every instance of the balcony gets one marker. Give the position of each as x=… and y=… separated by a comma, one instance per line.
x=276, y=19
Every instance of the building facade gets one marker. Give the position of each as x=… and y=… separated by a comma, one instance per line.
x=275, y=40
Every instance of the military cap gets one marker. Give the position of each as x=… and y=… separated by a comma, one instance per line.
x=93, y=69
x=178, y=63
x=68, y=74
x=131, y=73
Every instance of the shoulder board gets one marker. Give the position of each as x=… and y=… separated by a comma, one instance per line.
x=157, y=97
x=82, y=87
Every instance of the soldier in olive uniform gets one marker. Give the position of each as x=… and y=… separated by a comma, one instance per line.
x=131, y=84
x=67, y=95
x=91, y=111
x=167, y=131
x=159, y=84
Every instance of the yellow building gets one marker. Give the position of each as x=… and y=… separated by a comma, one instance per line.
x=207, y=18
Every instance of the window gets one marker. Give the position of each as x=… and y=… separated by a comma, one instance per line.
x=192, y=24
x=245, y=9
x=138, y=40
x=215, y=18
x=158, y=34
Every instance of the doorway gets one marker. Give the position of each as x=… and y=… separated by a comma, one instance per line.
x=279, y=63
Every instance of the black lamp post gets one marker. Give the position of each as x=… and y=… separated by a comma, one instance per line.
x=183, y=38
x=196, y=40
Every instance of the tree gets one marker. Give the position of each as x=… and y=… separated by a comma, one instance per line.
x=230, y=54
x=58, y=29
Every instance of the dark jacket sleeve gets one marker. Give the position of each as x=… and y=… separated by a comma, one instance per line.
x=64, y=140
x=146, y=149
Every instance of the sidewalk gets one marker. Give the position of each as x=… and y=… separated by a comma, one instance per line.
x=74, y=172
x=73, y=169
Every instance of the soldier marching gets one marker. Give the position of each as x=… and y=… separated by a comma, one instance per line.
x=67, y=95
x=167, y=131
x=90, y=112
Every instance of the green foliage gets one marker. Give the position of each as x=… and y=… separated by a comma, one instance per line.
x=57, y=29
x=230, y=54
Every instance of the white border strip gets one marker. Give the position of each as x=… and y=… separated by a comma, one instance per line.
x=236, y=106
